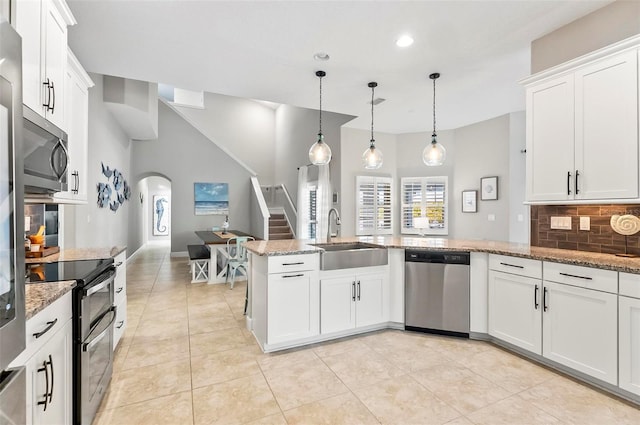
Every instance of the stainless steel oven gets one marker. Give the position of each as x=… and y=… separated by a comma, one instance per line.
x=94, y=346
x=12, y=314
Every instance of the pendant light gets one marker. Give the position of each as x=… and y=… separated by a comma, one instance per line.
x=434, y=154
x=320, y=152
x=372, y=157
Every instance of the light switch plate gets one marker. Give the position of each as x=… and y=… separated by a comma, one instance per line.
x=585, y=223
x=561, y=223
x=491, y=217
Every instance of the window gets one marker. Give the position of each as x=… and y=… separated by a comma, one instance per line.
x=425, y=197
x=373, y=205
x=312, y=212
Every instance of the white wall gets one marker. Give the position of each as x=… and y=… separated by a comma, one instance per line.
x=353, y=143
x=87, y=225
x=243, y=127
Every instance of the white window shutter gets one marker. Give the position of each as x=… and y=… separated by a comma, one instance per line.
x=374, y=196
x=425, y=197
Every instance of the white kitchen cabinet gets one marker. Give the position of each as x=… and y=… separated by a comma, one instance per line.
x=582, y=132
x=351, y=301
x=579, y=330
x=120, y=297
x=42, y=24
x=629, y=332
x=77, y=86
x=515, y=312
x=48, y=362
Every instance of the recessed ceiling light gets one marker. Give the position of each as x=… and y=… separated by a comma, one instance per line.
x=404, y=41
x=321, y=56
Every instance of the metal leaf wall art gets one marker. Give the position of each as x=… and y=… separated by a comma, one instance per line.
x=116, y=185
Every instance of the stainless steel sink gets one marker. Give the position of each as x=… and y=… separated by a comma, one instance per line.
x=335, y=256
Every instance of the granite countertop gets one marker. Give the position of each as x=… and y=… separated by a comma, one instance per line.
x=580, y=258
x=40, y=295
x=79, y=254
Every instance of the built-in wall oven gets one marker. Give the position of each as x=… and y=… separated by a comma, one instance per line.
x=93, y=315
x=12, y=312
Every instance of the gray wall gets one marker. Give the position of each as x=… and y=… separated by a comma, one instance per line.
x=296, y=130
x=185, y=156
x=614, y=22
x=87, y=225
x=518, y=212
x=243, y=127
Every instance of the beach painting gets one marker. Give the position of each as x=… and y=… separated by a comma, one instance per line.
x=211, y=198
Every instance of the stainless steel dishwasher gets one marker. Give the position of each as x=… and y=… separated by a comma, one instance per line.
x=437, y=292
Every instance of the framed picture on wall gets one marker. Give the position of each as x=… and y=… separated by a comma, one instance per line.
x=489, y=188
x=161, y=210
x=211, y=198
x=469, y=201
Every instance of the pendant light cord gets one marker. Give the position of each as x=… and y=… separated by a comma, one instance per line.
x=372, y=90
x=320, y=104
x=434, y=107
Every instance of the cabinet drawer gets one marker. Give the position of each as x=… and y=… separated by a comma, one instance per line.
x=630, y=285
x=292, y=263
x=583, y=277
x=516, y=265
x=47, y=323
x=120, y=324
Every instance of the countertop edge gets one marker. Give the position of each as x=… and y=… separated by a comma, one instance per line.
x=74, y=254
x=39, y=296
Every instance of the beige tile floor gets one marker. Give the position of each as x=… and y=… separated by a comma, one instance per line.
x=186, y=358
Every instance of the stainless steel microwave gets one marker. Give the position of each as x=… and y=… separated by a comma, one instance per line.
x=46, y=157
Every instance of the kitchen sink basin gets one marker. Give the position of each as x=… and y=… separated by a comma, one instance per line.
x=350, y=255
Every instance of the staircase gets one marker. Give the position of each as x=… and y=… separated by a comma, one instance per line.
x=279, y=228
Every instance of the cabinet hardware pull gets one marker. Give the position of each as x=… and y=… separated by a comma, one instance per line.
x=576, y=276
x=544, y=299
x=577, y=175
x=568, y=182
x=45, y=369
x=119, y=264
x=293, y=264
x=294, y=275
x=76, y=179
x=535, y=298
x=353, y=291
x=45, y=330
x=119, y=290
x=120, y=324
x=358, y=290
x=512, y=265
x=53, y=106
x=48, y=86
x=51, y=392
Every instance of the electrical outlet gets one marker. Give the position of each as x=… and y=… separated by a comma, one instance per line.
x=491, y=217
x=561, y=223
x=520, y=218
x=585, y=223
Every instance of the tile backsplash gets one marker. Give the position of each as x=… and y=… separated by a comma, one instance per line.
x=600, y=238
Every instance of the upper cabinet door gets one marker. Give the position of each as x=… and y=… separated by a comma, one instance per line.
x=29, y=26
x=55, y=48
x=550, y=140
x=607, y=128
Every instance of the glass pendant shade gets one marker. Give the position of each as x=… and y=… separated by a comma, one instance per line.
x=320, y=152
x=434, y=154
x=372, y=158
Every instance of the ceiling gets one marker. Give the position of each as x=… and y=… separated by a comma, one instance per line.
x=264, y=50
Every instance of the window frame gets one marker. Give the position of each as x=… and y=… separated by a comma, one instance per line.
x=424, y=183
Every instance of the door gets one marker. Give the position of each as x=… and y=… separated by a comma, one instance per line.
x=515, y=313
x=607, y=128
x=292, y=307
x=369, y=299
x=550, y=140
x=28, y=25
x=579, y=330
x=55, y=48
x=629, y=340
x=50, y=374
x=337, y=304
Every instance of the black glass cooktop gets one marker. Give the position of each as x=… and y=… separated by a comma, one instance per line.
x=81, y=271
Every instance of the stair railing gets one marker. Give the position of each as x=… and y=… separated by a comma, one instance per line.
x=283, y=199
x=259, y=214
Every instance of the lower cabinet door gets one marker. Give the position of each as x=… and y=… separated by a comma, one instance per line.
x=629, y=339
x=515, y=310
x=580, y=330
x=369, y=299
x=292, y=306
x=49, y=385
x=337, y=304
x=120, y=324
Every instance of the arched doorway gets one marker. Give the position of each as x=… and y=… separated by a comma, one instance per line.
x=154, y=193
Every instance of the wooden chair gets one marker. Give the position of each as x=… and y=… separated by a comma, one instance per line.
x=239, y=259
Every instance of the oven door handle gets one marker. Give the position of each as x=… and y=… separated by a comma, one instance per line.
x=86, y=346
x=97, y=287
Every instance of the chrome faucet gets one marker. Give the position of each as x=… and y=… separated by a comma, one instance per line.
x=333, y=210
